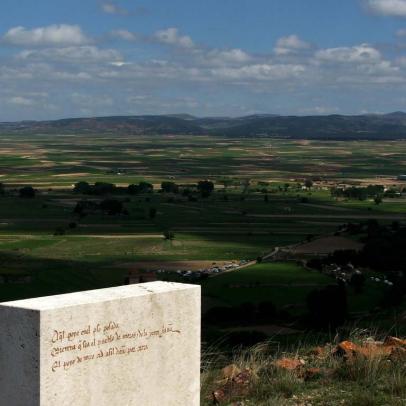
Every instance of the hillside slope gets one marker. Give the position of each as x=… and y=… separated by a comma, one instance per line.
x=333, y=127
x=361, y=372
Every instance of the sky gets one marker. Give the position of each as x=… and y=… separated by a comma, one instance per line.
x=79, y=58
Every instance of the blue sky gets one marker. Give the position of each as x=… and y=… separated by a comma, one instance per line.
x=214, y=57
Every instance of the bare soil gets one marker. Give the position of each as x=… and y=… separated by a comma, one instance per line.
x=327, y=245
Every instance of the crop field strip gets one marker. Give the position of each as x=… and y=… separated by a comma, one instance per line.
x=57, y=161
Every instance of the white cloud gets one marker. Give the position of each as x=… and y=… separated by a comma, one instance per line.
x=320, y=110
x=401, y=32
x=82, y=54
x=87, y=79
x=225, y=57
x=396, y=8
x=87, y=100
x=363, y=53
x=112, y=8
x=42, y=73
x=171, y=36
x=360, y=64
x=120, y=63
x=264, y=72
x=21, y=101
x=62, y=34
x=290, y=44
x=402, y=61
x=124, y=35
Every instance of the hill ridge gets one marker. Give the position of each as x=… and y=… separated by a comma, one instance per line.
x=389, y=126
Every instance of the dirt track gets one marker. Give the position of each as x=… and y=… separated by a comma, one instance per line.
x=327, y=245
x=332, y=216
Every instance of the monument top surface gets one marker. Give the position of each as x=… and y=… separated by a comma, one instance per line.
x=97, y=296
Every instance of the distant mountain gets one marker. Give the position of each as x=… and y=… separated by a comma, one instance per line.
x=114, y=124
x=332, y=127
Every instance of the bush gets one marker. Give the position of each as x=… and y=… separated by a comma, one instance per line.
x=205, y=187
x=169, y=235
x=111, y=206
x=27, y=192
x=59, y=231
x=328, y=306
x=82, y=187
x=169, y=187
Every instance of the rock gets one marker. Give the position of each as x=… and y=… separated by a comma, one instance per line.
x=243, y=378
x=312, y=373
x=394, y=342
x=218, y=396
x=319, y=352
x=290, y=364
x=346, y=349
x=235, y=383
x=230, y=372
x=398, y=354
x=372, y=341
x=372, y=350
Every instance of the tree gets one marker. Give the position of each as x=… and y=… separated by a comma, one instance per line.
x=226, y=182
x=328, y=306
x=266, y=311
x=146, y=187
x=27, y=192
x=395, y=225
x=59, y=231
x=103, y=188
x=2, y=190
x=378, y=199
x=315, y=263
x=309, y=183
x=358, y=282
x=82, y=187
x=169, y=187
x=79, y=208
x=169, y=235
x=112, y=206
x=84, y=205
x=133, y=189
x=152, y=212
x=205, y=187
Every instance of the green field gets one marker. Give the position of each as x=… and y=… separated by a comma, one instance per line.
x=285, y=284
x=58, y=161
x=235, y=223
x=282, y=283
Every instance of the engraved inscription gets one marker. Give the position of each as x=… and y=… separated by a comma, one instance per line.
x=71, y=348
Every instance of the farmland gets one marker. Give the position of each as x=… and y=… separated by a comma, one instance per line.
x=259, y=203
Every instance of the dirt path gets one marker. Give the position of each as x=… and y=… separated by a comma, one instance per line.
x=332, y=216
x=118, y=236
x=326, y=245
x=102, y=236
x=327, y=207
x=234, y=269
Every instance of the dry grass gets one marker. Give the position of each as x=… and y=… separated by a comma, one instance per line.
x=359, y=381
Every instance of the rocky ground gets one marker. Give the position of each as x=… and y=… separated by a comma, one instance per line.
x=360, y=371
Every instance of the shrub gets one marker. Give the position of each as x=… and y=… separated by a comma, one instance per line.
x=27, y=192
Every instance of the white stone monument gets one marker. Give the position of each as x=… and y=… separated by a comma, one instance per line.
x=136, y=345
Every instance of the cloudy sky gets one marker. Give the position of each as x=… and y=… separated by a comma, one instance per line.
x=61, y=58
